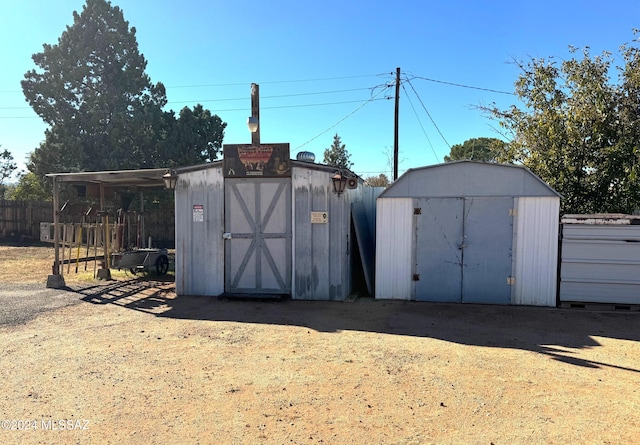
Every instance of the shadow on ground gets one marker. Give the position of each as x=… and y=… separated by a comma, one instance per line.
x=549, y=331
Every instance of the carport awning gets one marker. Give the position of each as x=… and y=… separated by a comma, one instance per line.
x=123, y=178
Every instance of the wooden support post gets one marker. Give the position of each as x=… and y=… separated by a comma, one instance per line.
x=255, y=112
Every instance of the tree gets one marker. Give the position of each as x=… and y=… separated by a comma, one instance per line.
x=195, y=137
x=92, y=90
x=476, y=149
x=579, y=129
x=103, y=111
x=377, y=181
x=29, y=188
x=7, y=166
x=337, y=155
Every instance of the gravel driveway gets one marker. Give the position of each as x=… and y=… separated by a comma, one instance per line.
x=20, y=303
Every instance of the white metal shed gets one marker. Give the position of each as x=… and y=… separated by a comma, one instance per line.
x=258, y=236
x=468, y=232
x=600, y=260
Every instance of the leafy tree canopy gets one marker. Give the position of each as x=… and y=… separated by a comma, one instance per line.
x=377, y=181
x=103, y=111
x=337, y=155
x=29, y=188
x=579, y=128
x=476, y=149
x=7, y=166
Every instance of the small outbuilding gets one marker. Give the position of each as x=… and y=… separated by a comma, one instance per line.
x=469, y=232
x=260, y=224
x=600, y=260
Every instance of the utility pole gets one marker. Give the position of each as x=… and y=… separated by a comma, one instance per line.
x=395, y=129
x=255, y=112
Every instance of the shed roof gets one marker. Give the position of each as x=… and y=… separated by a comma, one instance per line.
x=115, y=178
x=294, y=163
x=468, y=178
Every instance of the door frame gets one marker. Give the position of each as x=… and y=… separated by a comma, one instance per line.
x=250, y=205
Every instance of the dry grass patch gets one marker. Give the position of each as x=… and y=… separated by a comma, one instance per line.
x=32, y=264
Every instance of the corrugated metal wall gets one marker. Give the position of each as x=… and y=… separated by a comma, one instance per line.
x=321, y=252
x=395, y=239
x=535, y=251
x=199, y=244
x=600, y=264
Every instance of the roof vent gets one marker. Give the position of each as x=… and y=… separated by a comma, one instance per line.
x=306, y=156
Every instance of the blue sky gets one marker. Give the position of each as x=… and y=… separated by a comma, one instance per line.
x=318, y=65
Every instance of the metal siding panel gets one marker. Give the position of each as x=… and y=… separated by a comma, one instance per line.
x=601, y=232
x=199, y=260
x=394, y=248
x=303, y=279
x=536, y=251
x=600, y=264
x=611, y=293
x=337, y=247
x=322, y=269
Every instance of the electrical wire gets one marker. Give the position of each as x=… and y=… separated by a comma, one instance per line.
x=280, y=81
x=461, y=85
x=419, y=121
x=371, y=99
x=229, y=110
x=268, y=97
x=316, y=93
x=426, y=111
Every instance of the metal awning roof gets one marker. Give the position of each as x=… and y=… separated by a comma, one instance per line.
x=116, y=178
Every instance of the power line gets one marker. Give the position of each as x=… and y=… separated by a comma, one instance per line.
x=279, y=81
x=264, y=97
x=244, y=108
x=461, y=85
x=300, y=106
x=371, y=99
x=426, y=111
x=216, y=85
x=268, y=97
x=420, y=122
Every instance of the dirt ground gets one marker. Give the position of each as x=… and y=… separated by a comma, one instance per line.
x=128, y=362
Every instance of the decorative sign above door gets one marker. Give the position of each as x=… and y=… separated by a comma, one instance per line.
x=264, y=160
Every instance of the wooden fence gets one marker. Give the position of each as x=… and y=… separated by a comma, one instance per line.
x=20, y=222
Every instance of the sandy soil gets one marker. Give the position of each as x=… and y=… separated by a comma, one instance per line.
x=131, y=363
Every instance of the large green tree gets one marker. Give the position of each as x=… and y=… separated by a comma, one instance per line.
x=476, y=149
x=193, y=138
x=579, y=129
x=91, y=88
x=337, y=155
x=103, y=111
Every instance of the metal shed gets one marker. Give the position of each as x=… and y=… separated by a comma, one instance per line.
x=264, y=236
x=600, y=259
x=468, y=232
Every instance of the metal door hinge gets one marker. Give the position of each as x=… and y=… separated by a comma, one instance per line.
x=416, y=277
x=417, y=211
x=511, y=281
x=513, y=212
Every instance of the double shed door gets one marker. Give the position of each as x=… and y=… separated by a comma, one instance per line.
x=464, y=249
x=258, y=236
